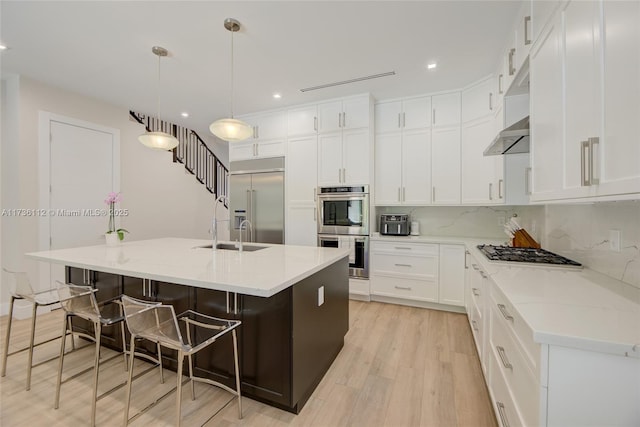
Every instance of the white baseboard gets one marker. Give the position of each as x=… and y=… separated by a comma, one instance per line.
x=360, y=297
x=419, y=304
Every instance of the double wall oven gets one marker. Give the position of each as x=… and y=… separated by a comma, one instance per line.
x=344, y=223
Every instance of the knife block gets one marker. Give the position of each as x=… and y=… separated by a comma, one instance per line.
x=522, y=239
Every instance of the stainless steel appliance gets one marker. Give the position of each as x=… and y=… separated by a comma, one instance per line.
x=358, y=254
x=394, y=224
x=257, y=194
x=344, y=210
x=512, y=140
x=343, y=222
x=526, y=256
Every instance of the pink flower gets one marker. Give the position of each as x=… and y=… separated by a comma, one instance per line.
x=113, y=198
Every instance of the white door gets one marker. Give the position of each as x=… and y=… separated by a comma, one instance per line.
x=445, y=164
x=416, y=170
x=445, y=109
x=388, y=176
x=355, y=156
x=356, y=113
x=478, y=171
x=83, y=169
x=330, y=159
x=302, y=169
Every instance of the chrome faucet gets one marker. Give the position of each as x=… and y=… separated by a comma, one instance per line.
x=246, y=221
x=214, y=228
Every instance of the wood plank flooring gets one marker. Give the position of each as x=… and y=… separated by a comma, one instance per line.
x=400, y=367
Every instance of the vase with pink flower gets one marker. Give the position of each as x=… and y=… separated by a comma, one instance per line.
x=114, y=235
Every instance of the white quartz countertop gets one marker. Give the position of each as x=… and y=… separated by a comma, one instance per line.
x=577, y=308
x=260, y=273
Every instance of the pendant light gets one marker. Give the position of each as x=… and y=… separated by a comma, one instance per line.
x=231, y=129
x=158, y=140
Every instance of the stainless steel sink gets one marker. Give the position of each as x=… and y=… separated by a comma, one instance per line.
x=232, y=247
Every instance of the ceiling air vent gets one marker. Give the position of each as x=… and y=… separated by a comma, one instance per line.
x=344, y=82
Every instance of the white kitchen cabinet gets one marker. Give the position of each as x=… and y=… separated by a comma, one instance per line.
x=388, y=172
x=268, y=125
x=476, y=300
x=302, y=121
x=404, y=270
x=445, y=164
x=541, y=13
x=482, y=182
x=509, y=58
x=348, y=113
x=301, y=225
x=406, y=114
x=246, y=150
x=523, y=33
x=583, y=119
x=451, y=275
x=343, y=157
x=445, y=109
x=268, y=139
x=302, y=169
x=478, y=100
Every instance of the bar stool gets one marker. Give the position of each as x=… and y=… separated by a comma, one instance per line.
x=160, y=323
x=81, y=301
x=21, y=289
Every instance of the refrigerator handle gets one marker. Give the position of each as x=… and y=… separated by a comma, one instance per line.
x=248, y=213
x=253, y=215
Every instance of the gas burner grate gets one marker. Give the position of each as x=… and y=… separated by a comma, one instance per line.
x=527, y=255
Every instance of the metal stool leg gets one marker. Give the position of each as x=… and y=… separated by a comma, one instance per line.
x=73, y=340
x=132, y=349
x=97, y=327
x=33, y=336
x=56, y=402
x=179, y=388
x=235, y=360
x=5, y=350
x=193, y=383
x=124, y=346
x=160, y=362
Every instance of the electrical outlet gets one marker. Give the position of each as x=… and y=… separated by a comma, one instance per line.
x=320, y=296
x=614, y=240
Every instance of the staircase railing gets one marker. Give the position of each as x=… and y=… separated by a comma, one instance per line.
x=192, y=152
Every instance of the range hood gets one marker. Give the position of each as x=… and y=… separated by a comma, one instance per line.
x=512, y=140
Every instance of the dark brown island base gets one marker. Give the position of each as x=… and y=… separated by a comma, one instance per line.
x=287, y=341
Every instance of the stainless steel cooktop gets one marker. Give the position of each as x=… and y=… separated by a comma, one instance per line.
x=526, y=255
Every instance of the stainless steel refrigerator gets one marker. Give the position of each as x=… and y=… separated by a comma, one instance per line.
x=257, y=194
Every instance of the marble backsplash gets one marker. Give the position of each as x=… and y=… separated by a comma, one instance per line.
x=471, y=221
x=582, y=233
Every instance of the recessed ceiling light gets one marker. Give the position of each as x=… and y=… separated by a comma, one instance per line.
x=3, y=47
x=184, y=114
x=431, y=66
x=277, y=96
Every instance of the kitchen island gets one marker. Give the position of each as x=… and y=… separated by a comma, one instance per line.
x=292, y=301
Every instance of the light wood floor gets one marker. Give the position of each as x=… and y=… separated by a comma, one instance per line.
x=400, y=366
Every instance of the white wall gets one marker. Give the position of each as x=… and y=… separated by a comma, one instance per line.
x=581, y=232
x=162, y=198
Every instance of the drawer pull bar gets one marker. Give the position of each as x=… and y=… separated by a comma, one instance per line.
x=503, y=415
x=475, y=325
x=503, y=357
x=475, y=291
x=403, y=265
x=404, y=288
x=504, y=312
x=475, y=267
x=402, y=247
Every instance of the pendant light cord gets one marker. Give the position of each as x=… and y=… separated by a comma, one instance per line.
x=159, y=57
x=232, y=73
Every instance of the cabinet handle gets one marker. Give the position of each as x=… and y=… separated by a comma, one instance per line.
x=475, y=267
x=404, y=120
x=403, y=194
x=527, y=22
x=527, y=182
x=402, y=248
x=315, y=214
x=500, y=182
x=484, y=276
x=490, y=101
x=433, y=116
x=512, y=69
x=228, y=310
x=490, y=191
x=399, y=198
x=403, y=265
x=475, y=291
x=475, y=325
x=592, y=176
x=399, y=125
x=344, y=119
x=315, y=123
x=504, y=312
x=503, y=357
x=466, y=267
x=404, y=288
x=584, y=178
x=500, y=89
x=315, y=194
x=503, y=414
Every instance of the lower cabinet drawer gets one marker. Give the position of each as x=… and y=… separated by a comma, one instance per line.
x=421, y=290
x=478, y=332
x=505, y=409
x=420, y=267
x=516, y=371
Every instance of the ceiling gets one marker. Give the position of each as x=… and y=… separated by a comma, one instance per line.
x=103, y=49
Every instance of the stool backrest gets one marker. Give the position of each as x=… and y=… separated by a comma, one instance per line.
x=19, y=283
x=152, y=320
x=79, y=300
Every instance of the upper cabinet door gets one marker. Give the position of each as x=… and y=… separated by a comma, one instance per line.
x=330, y=116
x=416, y=173
x=478, y=100
x=388, y=117
x=302, y=169
x=302, y=121
x=620, y=148
x=355, y=112
x=272, y=125
x=330, y=159
x=355, y=160
x=524, y=36
x=541, y=13
x=388, y=176
x=445, y=164
x=445, y=109
x=416, y=113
